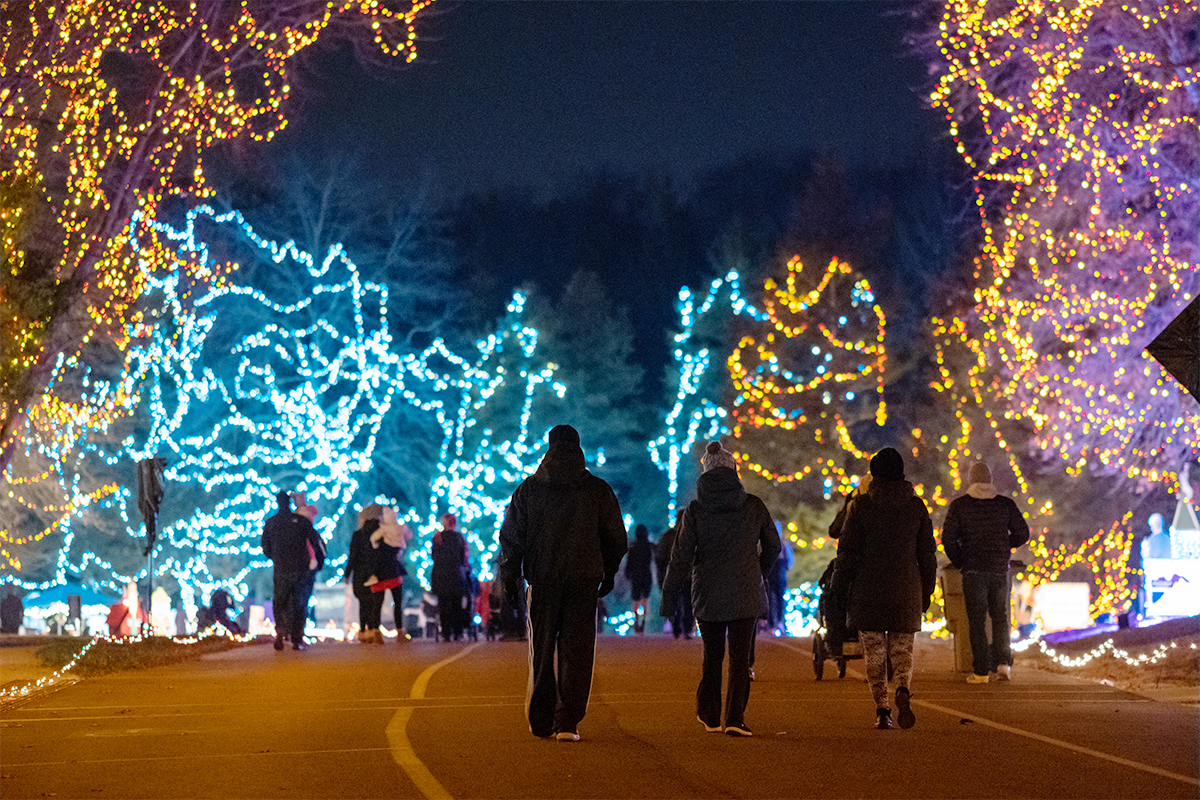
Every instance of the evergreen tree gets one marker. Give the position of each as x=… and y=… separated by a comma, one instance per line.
x=591, y=344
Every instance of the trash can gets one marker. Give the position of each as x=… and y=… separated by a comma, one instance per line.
x=950, y=578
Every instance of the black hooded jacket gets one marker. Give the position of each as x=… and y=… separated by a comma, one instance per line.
x=562, y=525
x=285, y=537
x=727, y=543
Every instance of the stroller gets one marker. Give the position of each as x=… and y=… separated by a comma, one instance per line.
x=832, y=639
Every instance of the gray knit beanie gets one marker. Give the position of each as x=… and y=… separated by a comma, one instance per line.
x=717, y=456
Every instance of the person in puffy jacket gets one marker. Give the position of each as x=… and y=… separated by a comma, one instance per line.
x=727, y=545
x=886, y=569
x=562, y=533
x=981, y=530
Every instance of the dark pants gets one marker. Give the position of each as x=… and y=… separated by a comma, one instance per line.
x=289, y=595
x=987, y=594
x=452, y=617
x=370, y=608
x=708, y=696
x=306, y=593
x=562, y=627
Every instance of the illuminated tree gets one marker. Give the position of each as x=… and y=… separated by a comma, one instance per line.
x=809, y=375
x=244, y=392
x=700, y=386
x=106, y=109
x=484, y=405
x=1079, y=121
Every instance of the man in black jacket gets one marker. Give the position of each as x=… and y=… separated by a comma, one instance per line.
x=285, y=540
x=563, y=534
x=981, y=530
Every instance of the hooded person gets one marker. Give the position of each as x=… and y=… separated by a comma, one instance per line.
x=886, y=569
x=727, y=545
x=563, y=534
x=981, y=530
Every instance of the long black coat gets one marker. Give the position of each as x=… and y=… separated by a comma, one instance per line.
x=886, y=559
x=727, y=544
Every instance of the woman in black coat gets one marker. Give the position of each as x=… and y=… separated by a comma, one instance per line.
x=887, y=568
x=727, y=545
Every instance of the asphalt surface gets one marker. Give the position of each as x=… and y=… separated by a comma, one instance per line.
x=423, y=719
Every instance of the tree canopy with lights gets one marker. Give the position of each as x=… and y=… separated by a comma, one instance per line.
x=106, y=111
x=1079, y=122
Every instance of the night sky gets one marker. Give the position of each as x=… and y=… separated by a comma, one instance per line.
x=534, y=92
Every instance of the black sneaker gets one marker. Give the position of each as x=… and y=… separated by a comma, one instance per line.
x=709, y=728
x=738, y=730
x=278, y=642
x=883, y=719
x=905, y=716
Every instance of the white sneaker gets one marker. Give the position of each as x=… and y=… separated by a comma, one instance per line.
x=973, y=678
x=1003, y=672
x=567, y=736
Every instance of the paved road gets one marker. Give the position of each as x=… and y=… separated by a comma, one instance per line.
x=442, y=720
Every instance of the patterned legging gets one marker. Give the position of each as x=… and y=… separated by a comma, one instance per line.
x=877, y=646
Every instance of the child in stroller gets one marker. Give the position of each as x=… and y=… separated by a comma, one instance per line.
x=832, y=639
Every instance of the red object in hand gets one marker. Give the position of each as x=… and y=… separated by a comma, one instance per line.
x=383, y=586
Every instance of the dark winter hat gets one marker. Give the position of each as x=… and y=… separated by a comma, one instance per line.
x=979, y=473
x=717, y=456
x=284, y=500
x=563, y=435
x=887, y=465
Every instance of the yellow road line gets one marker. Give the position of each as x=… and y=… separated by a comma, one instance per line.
x=397, y=734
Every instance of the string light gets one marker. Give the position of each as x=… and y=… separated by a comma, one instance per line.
x=1079, y=122
x=822, y=349
x=246, y=393
x=697, y=414
x=62, y=674
x=109, y=120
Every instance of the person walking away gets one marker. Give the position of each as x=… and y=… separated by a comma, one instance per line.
x=562, y=533
x=886, y=568
x=835, y=527
x=681, y=619
x=638, y=563
x=727, y=544
x=981, y=530
x=286, y=538
x=449, y=578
